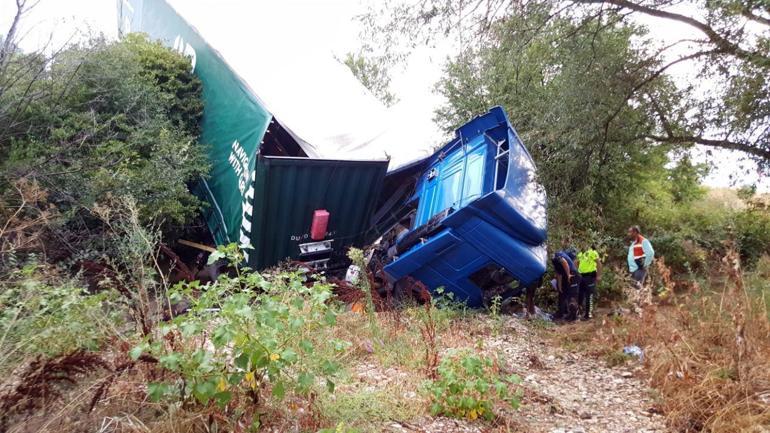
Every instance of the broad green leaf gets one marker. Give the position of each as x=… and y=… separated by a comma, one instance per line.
x=306, y=346
x=279, y=389
x=204, y=390
x=330, y=318
x=222, y=336
x=304, y=382
x=156, y=391
x=215, y=256
x=329, y=367
x=222, y=398
x=170, y=361
x=242, y=361
x=296, y=323
x=137, y=351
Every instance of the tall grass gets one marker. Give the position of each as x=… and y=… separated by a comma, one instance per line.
x=707, y=352
x=710, y=357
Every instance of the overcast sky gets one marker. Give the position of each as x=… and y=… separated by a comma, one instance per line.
x=331, y=24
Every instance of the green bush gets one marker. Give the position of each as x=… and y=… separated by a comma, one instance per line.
x=246, y=334
x=691, y=234
x=45, y=313
x=469, y=386
x=106, y=120
x=681, y=253
x=697, y=236
x=612, y=283
x=752, y=232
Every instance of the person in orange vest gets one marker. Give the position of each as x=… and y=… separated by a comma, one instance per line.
x=640, y=256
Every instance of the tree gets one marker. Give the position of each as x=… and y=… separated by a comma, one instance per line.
x=19, y=71
x=372, y=72
x=733, y=57
x=734, y=52
x=568, y=89
x=684, y=180
x=107, y=120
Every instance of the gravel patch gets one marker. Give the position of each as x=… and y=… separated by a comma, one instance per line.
x=569, y=392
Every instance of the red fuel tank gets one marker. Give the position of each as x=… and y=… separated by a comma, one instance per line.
x=320, y=223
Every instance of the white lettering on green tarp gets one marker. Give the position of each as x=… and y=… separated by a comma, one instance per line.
x=246, y=211
x=239, y=161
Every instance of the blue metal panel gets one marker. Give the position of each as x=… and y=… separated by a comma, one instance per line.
x=488, y=179
x=455, y=177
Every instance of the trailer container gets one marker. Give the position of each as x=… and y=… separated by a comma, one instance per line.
x=278, y=152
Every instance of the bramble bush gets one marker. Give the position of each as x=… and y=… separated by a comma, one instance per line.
x=470, y=386
x=245, y=335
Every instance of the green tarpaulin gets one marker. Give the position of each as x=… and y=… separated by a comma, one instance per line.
x=237, y=124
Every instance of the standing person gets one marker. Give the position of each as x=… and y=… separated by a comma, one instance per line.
x=640, y=256
x=567, y=283
x=590, y=269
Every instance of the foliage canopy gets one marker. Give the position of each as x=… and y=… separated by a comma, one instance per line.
x=104, y=120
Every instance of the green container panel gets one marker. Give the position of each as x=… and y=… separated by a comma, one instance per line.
x=288, y=190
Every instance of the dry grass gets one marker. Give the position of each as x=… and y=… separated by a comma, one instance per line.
x=707, y=354
x=24, y=218
x=40, y=381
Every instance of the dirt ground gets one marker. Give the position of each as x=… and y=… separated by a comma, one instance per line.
x=565, y=391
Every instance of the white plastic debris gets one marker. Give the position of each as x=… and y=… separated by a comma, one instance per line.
x=634, y=351
x=352, y=275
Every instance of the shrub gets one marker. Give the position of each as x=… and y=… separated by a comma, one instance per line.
x=107, y=119
x=244, y=335
x=680, y=253
x=45, y=313
x=469, y=386
x=752, y=229
x=611, y=285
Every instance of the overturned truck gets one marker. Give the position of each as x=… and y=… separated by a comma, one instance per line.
x=306, y=163
x=476, y=218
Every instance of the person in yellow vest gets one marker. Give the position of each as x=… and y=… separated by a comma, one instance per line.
x=590, y=269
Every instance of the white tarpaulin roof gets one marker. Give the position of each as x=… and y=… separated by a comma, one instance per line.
x=300, y=82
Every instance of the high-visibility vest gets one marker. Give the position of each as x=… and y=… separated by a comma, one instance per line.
x=587, y=261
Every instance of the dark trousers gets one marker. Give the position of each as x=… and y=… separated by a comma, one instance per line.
x=568, y=297
x=587, y=293
x=639, y=276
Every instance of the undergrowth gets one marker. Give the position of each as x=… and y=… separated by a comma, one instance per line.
x=706, y=351
x=44, y=313
x=246, y=343
x=470, y=386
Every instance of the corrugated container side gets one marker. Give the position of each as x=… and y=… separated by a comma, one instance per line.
x=289, y=190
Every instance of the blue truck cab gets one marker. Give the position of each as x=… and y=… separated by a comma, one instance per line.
x=478, y=206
